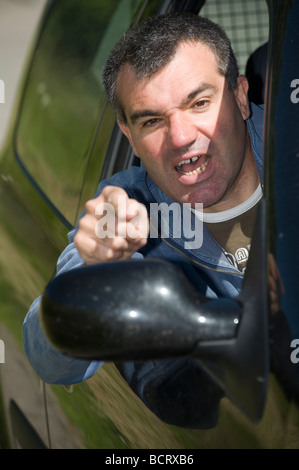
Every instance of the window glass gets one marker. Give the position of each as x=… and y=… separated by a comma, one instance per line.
x=246, y=24
x=64, y=97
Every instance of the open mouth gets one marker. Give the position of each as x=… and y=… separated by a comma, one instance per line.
x=191, y=166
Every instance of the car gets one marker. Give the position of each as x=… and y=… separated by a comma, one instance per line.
x=63, y=139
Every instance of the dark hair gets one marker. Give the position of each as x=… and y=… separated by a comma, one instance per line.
x=149, y=46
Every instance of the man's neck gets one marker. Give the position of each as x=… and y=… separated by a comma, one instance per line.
x=243, y=187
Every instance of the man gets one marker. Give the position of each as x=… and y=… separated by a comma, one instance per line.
x=176, y=90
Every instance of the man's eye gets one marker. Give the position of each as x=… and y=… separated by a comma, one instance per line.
x=151, y=122
x=201, y=104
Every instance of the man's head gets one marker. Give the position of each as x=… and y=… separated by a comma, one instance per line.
x=149, y=46
x=180, y=101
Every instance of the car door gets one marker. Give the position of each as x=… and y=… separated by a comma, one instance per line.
x=63, y=142
x=53, y=158
x=260, y=381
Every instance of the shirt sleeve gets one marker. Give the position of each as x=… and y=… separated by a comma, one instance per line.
x=52, y=366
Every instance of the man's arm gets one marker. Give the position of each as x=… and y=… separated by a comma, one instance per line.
x=89, y=243
x=52, y=366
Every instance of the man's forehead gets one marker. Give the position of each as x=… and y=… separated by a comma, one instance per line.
x=140, y=72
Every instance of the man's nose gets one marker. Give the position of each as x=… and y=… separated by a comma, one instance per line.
x=181, y=131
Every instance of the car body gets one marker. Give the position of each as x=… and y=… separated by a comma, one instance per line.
x=62, y=141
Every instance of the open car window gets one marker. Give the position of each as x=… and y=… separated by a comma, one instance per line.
x=64, y=97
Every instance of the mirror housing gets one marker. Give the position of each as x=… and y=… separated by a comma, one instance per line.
x=124, y=310
x=147, y=309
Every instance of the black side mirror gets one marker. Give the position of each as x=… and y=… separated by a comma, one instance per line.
x=139, y=310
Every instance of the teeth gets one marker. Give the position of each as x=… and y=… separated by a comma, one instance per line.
x=184, y=162
x=198, y=170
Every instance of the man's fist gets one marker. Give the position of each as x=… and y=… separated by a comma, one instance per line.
x=113, y=228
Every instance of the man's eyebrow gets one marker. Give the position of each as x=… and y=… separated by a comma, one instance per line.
x=146, y=113
x=203, y=87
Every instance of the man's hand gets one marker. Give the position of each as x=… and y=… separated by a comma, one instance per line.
x=113, y=228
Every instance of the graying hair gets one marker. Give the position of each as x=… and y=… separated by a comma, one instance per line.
x=150, y=46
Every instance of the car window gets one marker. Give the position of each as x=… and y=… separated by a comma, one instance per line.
x=64, y=97
x=246, y=24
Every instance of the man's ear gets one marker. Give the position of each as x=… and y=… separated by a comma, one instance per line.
x=241, y=95
x=126, y=131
